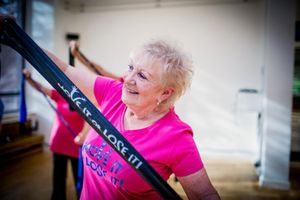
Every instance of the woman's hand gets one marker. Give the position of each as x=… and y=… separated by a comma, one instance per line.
x=74, y=45
x=27, y=73
x=79, y=139
x=5, y=16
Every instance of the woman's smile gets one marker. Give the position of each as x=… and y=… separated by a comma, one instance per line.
x=131, y=91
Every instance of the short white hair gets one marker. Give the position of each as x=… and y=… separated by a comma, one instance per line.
x=176, y=65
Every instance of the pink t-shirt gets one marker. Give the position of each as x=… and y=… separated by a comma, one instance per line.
x=61, y=140
x=167, y=145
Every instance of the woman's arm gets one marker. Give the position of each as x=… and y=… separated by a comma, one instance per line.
x=81, y=78
x=198, y=186
x=35, y=84
x=80, y=138
x=75, y=52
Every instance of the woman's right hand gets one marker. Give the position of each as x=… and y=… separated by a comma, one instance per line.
x=79, y=139
x=74, y=45
x=27, y=73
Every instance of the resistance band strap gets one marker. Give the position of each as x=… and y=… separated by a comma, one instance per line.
x=13, y=36
x=71, y=58
x=23, y=109
x=65, y=123
x=79, y=172
x=71, y=131
x=71, y=63
x=80, y=164
x=89, y=62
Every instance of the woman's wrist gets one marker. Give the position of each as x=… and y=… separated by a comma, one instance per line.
x=75, y=52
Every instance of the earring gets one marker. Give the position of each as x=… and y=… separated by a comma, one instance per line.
x=158, y=101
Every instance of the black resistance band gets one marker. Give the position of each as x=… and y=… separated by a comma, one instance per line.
x=71, y=131
x=60, y=116
x=89, y=62
x=12, y=35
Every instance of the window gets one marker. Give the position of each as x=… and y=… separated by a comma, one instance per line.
x=11, y=62
x=41, y=23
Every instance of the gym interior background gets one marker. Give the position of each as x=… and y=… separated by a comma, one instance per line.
x=243, y=103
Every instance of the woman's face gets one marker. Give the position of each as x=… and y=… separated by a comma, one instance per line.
x=142, y=84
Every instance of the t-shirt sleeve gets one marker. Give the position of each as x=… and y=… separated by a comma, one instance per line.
x=185, y=159
x=104, y=88
x=55, y=96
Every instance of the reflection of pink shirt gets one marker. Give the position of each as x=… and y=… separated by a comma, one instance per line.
x=167, y=145
x=61, y=140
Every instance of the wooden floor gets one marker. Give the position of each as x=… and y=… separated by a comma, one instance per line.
x=29, y=177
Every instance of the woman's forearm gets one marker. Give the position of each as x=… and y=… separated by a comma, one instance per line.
x=82, y=79
x=62, y=65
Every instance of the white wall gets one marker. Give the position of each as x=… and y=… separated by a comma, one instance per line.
x=279, y=65
x=225, y=41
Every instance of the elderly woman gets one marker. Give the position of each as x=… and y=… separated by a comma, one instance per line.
x=141, y=107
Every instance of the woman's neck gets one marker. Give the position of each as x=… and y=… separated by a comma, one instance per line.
x=137, y=120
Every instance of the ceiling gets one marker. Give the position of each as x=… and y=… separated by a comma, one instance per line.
x=82, y=5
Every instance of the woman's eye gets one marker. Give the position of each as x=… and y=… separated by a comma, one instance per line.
x=130, y=67
x=141, y=75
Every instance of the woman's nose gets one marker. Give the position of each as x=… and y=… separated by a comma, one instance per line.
x=129, y=77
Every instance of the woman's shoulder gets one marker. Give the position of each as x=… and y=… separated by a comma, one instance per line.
x=174, y=125
x=173, y=121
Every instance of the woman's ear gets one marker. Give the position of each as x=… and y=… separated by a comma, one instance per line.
x=166, y=94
